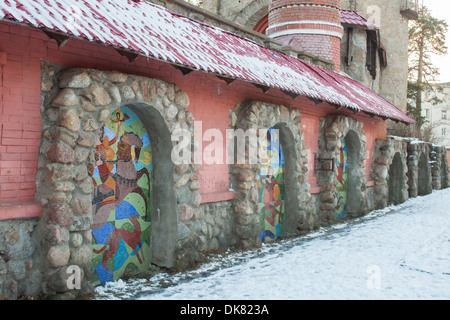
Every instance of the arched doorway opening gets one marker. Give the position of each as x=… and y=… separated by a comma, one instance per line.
x=121, y=201
x=444, y=172
x=271, y=188
x=277, y=187
x=291, y=184
x=132, y=210
x=395, y=180
x=350, y=202
x=424, y=176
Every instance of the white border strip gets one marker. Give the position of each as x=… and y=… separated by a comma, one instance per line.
x=306, y=31
x=325, y=23
x=303, y=5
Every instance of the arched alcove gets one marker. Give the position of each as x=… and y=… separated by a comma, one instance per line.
x=389, y=172
x=265, y=189
x=252, y=14
x=148, y=136
x=272, y=187
x=354, y=203
x=340, y=168
x=424, y=176
x=444, y=171
x=121, y=204
x=396, y=180
x=164, y=217
x=291, y=184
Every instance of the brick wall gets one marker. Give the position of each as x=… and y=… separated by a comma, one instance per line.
x=20, y=121
x=309, y=26
x=210, y=101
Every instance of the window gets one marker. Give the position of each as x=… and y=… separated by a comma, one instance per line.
x=349, y=57
x=372, y=48
x=444, y=114
x=428, y=113
x=444, y=132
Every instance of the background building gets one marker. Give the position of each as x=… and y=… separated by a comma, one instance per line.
x=437, y=115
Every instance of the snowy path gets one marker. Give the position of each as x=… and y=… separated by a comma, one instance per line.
x=401, y=252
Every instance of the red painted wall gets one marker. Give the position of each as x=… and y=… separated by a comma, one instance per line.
x=20, y=121
x=21, y=50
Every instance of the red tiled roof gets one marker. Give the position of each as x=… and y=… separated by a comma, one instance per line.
x=153, y=31
x=353, y=18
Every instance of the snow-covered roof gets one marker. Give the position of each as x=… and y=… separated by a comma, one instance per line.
x=154, y=31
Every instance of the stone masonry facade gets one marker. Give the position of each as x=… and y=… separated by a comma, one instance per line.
x=35, y=253
x=76, y=102
x=37, y=250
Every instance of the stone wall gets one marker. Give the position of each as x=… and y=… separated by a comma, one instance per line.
x=210, y=230
x=439, y=167
x=424, y=168
x=35, y=253
x=246, y=12
x=19, y=274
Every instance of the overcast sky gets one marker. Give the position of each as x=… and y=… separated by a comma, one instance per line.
x=441, y=9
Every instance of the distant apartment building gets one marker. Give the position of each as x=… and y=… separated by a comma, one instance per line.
x=437, y=112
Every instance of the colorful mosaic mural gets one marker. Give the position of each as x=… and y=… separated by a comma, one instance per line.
x=271, y=188
x=342, y=177
x=121, y=201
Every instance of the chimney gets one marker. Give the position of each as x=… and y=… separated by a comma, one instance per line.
x=311, y=26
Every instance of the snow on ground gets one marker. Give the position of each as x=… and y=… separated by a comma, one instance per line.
x=400, y=252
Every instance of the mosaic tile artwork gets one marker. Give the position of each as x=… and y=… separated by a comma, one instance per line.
x=121, y=201
x=342, y=175
x=271, y=189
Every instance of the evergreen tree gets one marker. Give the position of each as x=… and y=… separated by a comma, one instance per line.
x=426, y=38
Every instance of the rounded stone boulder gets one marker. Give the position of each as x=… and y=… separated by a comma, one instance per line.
x=60, y=153
x=58, y=256
x=69, y=119
x=74, y=78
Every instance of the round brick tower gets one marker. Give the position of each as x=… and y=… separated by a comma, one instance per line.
x=312, y=26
